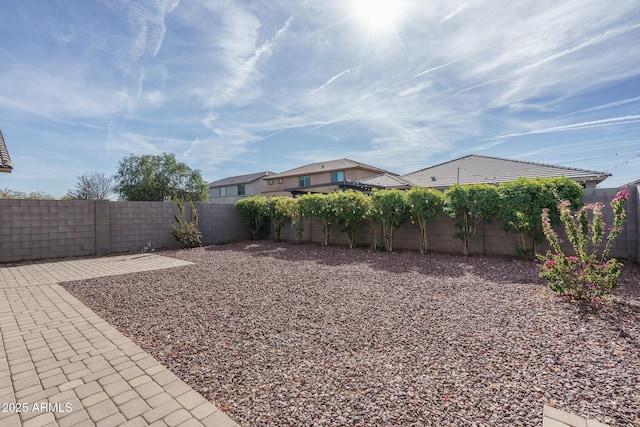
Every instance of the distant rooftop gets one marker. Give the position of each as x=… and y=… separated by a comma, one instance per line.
x=328, y=166
x=240, y=179
x=6, y=165
x=473, y=169
x=386, y=180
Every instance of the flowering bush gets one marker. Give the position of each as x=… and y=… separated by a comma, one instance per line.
x=588, y=274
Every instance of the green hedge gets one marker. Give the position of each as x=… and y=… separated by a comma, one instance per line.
x=517, y=205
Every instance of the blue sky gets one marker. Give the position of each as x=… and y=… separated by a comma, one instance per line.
x=234, y=87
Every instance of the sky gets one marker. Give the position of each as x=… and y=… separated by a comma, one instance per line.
x=237, y=87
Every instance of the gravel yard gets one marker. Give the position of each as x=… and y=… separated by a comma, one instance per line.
x=294, y=335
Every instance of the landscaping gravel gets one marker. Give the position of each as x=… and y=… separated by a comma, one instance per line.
x=300, y=335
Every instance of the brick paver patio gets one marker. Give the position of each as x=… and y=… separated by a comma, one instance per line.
x=62, y=365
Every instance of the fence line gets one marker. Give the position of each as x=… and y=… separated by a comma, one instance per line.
x=35, y=229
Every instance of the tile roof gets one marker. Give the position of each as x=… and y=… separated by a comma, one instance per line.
x=328, y=166
x=5, y=161
x=474, y=169
x=240, y=179
x=386, y=180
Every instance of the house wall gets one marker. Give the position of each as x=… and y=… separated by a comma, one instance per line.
x=251, y=189
x=275, y=189
x=35, y=229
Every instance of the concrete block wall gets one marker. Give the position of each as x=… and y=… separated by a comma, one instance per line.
x=489, y=238
x=135, y=224
x=35, y=229
x=220, y=223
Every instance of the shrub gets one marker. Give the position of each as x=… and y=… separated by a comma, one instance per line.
x=187, y=232
x=350, y=208
x=281, y=209
x=371, y=216
x=297, y=219
x=522, y=201
x=390, y=207
x=587, y=274
x=254, y=211
x=425, y=205
x=468, y=205
x=320, y=206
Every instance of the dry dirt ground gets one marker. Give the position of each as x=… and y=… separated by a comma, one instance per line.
x=293, y=335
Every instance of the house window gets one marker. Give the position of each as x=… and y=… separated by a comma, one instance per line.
x=241, y=190
x=270, y=182
x=337, y=176
x=280, y=180
x=223, y=191
x=305, y=181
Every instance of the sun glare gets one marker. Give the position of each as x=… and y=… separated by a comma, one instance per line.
x=378, y=14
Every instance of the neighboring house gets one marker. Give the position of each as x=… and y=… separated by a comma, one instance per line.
x=232, y=189
x=5, y=161
x=474, y=169
x=321, y=177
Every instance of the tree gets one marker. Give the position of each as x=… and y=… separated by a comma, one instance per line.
x=92, y=187
x=425, y=205
x=6, y=193
x=157, y=178
x=468, y=205
x=390, y=206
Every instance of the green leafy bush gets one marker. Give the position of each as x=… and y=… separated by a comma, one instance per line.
x=391, y=208
x=522, y=201
x=425, y=205
x=281, y=210
x=254, y=211
x=350, y=208
x=587, y=274
x=186, y=232
x=371, y=217
x=320, y=206
x=468, y=205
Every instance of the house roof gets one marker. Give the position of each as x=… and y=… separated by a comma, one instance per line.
x=328, y=166
x=386, y=180
x=6, y=165
x=240, y=179
x=474, y=169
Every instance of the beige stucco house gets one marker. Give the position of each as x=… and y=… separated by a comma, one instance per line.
x=230, y=190
x=5, y=161
x=321, y=177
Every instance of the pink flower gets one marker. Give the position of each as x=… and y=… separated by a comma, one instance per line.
x=624, y=194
